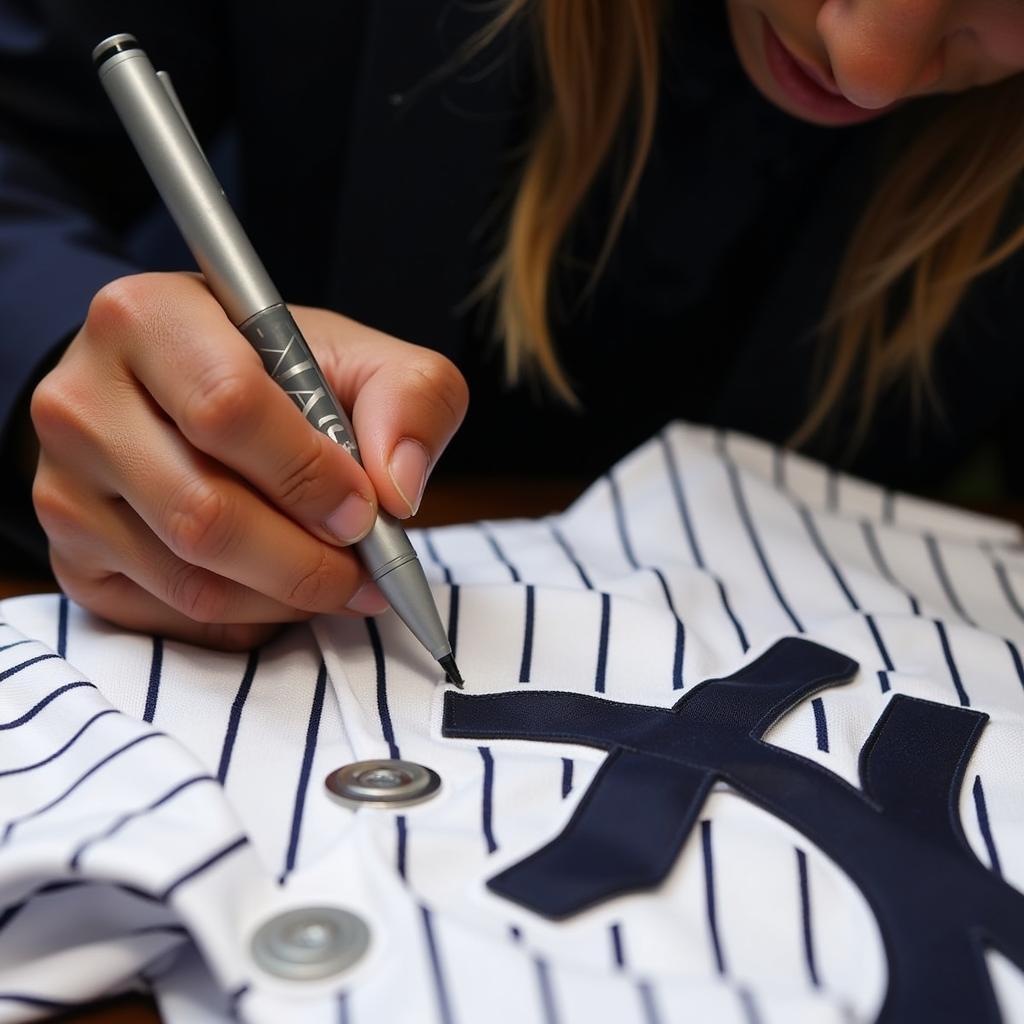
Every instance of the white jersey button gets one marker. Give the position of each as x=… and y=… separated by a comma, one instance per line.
x=382, y=784
x=310, y=943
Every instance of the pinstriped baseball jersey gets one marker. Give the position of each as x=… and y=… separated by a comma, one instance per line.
x=741, y=741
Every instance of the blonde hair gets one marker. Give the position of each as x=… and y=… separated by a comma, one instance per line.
x=931, y=225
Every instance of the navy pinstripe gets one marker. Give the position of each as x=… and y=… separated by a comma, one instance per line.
x=620, y=520
x=983, y=824
x=618, y=952
x=943, y=576
x=527, y=657
x=676, y=483
x=488, y=794
x=203, y=866
x=27, y=716
x=570, y=555
x=882, y=649
x=709, y=895
x=402, y=844
x=16, y=643
x=235, y=716
x=820, y=724
x=954, y=672
x=547, y=994
x=8, y=672
x=875, y=551
x=51, y=757
x=453, y=617
x=116, y=827
x=805, y=913
x=428, y=540
x=648, y=1003
x=1018, y=664
x=499, y=554
x=755, y=540
x=382, y=692
x=627, y=547
x=106, y=759
x=1007, y=588
x=312, y=730
x=155, y=670
x=62, y=626
x=602, y=649
x=437, y=973
x=819, y=546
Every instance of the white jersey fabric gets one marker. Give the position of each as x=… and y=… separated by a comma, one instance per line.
x=159, y=802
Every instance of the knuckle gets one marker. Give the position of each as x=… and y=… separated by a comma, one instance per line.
x=57, y=513
x=222, y=403
x=199, y=522
x=306, y=478
x=441, y=382
x=78, y=587
x=70, y=585
x=119, y=306
x=58, y=410
x=47, y=408
x=315, y=586
x=197, y=594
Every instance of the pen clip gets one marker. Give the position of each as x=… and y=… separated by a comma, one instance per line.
x=172, y=95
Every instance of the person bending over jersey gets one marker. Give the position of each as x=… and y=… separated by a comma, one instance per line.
x=797, y=218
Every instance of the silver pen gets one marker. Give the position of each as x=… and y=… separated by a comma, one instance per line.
x=153, y=116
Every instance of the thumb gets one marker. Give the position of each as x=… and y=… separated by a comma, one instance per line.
x=406, y=402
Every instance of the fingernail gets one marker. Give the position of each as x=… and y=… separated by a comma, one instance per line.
x=351, y=520
x=367, y=600
x=408, y=470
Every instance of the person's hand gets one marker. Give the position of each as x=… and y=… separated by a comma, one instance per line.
x=183, y=492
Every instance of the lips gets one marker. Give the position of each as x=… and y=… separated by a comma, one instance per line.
x=810, y=93
x=828, y=84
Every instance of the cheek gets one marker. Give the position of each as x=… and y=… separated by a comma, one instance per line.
x=744, y=22
x=999, y=32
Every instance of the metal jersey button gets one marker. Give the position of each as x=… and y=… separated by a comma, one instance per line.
x=382, y=784
x=309, y=943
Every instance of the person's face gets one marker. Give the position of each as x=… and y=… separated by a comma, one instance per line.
x=839, y=62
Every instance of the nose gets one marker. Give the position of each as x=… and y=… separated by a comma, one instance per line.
x=883, y=51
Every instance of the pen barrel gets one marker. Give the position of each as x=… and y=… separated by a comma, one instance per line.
x=288, y=359
x=187, y=186
x=160, y=132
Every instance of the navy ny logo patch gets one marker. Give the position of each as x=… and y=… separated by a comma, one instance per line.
x=898, y=838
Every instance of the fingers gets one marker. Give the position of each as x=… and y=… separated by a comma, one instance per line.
x=165, y=598
x=197, y=537
x=209, y=518
x=207, y=378
x=182, y=490
x=406, y=401
x=117, y=542
x=108, y=560
x=121, y=600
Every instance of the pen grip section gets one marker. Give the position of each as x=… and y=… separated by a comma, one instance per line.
x=288, y=359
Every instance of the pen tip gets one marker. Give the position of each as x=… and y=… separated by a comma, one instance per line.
x=451, y=670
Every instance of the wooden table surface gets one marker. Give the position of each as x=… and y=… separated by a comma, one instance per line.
x=445, y=502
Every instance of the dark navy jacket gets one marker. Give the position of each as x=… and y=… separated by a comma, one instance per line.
x=372, y=174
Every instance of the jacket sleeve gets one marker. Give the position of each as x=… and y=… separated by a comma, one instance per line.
x=71, y=186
